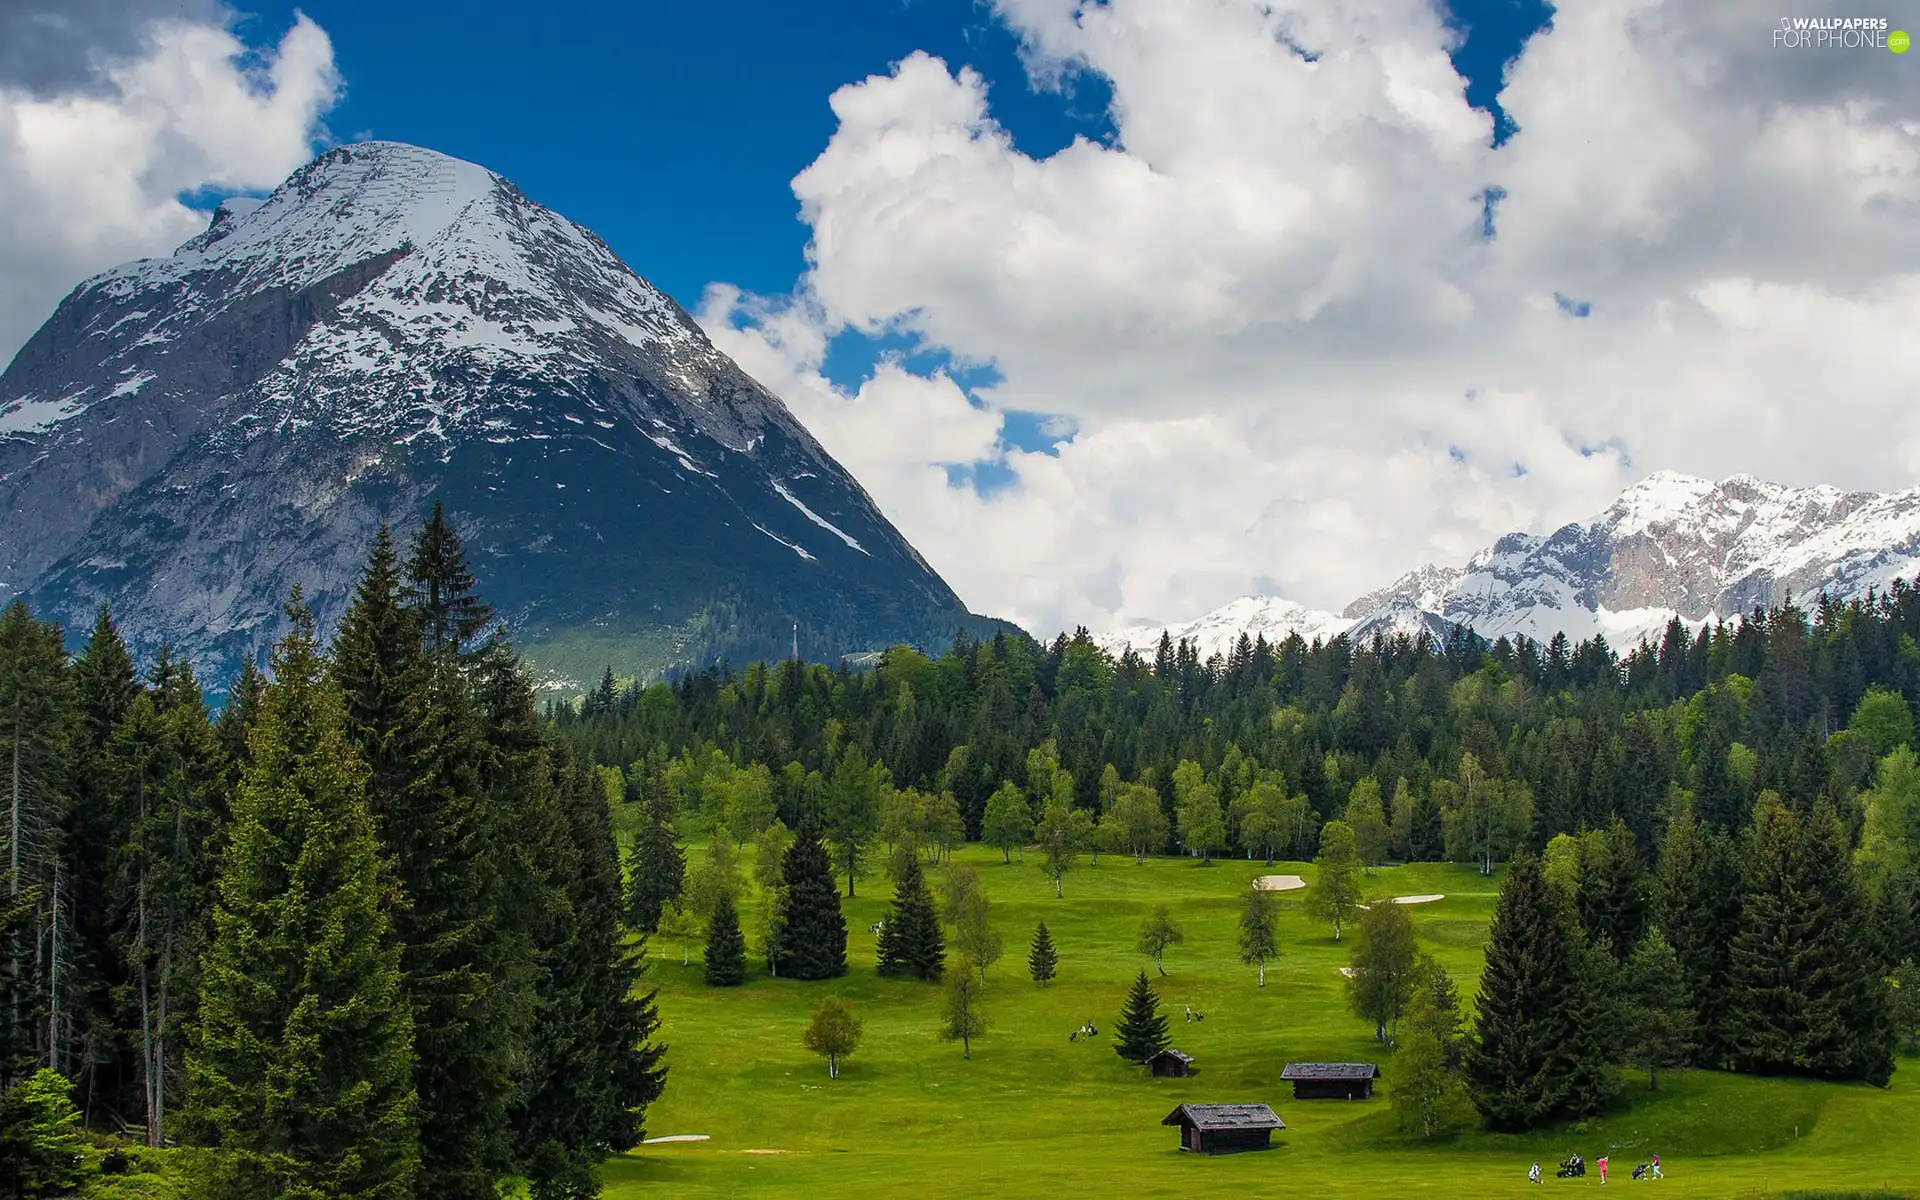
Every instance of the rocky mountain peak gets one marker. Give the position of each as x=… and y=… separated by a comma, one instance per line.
x=189, y=434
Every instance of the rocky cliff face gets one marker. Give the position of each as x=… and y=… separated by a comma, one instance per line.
x=1671, y=545
x=187, y=437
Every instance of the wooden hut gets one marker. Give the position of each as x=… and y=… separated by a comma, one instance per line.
x=1224, y=1128
x=1331, y=1081
x=1171, y=1064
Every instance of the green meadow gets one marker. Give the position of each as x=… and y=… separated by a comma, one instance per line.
x=1033, y=1112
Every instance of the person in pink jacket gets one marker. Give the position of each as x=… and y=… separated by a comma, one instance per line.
x=1601, y=1162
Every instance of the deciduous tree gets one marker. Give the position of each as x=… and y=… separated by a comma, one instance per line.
x=834, y=1032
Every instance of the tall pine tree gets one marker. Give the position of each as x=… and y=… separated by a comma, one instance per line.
x=813, y=933
x=911, y=940
x=656, y=866
x=301, y=1068
x=1849, y=1030
x=1697, y=897
x=1042, y=961
x=593, y=1066
x=1143, y=1028
x=726, y=958
x=1521, y=1057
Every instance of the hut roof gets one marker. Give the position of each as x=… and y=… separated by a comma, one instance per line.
x=1225, y=1116
x=1312, y=1070
x=1185, y=1058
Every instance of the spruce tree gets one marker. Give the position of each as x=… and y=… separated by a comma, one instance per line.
x=1613, y=889
x=726, y=957
x=1660, y=1013
x=1765, y=1014
x=1143, y=1029
x=1595, y=1022
x=36, y=718
x=462, y=962
x=911, y=941
x=656, y=865
x=97, y=826
x=1041, y=959
x=41, y=1150
x=377, y=663
x=441, y=587
x=237, y=715
x=594, y=1068
x=813, y=933
x=301, y=1068
x=1849, y=1031
x=1520, y=1057
x=1697, y=902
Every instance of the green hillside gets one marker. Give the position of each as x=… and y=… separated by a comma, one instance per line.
x=1032, y=1111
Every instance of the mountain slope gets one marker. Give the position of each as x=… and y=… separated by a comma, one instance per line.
x=189, y=436
x=1671, y=545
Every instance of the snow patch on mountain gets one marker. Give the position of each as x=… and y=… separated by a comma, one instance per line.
x=816, y=518
x=1256, y=616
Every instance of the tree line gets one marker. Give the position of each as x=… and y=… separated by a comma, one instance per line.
x=1725, y=827
x=358, y=935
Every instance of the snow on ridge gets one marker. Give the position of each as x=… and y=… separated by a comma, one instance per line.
x=793, y=546
x=816, y=518
x=1217, y=631
x=1685, y=539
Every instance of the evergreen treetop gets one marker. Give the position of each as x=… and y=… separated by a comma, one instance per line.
x=1042, y=961
x=726, y=958
x=1143, y=1028
x=912, y=943
x=813, y=932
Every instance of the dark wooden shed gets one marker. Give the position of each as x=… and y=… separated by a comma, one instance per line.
x=1331, y=1081
x=1224, y=1128
x=1171, y=1064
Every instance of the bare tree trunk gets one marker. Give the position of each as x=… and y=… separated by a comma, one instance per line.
x=13, y=847
x=146, y=1008
x=54, y=1059
x=13, y=824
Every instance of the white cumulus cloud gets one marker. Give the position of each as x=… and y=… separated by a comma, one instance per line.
x=91, y=170
x=1293, y=361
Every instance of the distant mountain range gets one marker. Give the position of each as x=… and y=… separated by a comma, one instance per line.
x=188, y=437
x=1671, y=545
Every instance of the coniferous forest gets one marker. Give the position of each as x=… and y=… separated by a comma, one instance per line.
x=1715, y=841
x=358, y=935
x=367, y=930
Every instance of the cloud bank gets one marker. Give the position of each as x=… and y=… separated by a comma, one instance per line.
x=1313, y=329
x=109, y=113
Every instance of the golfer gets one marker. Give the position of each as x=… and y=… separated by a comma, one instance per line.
x=1601, y=1162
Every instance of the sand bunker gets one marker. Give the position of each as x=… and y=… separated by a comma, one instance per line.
x=1347, y=971
x=677, y=1137
x=1408, y=900
x=1279, y=883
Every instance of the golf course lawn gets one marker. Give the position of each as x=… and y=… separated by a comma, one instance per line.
x=1032, y=1113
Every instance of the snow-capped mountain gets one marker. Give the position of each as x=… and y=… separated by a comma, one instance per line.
x=1215, y=633
x=187, y=437
x=1671, y=545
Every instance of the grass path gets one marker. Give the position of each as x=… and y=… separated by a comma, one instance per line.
x=1033, y=1112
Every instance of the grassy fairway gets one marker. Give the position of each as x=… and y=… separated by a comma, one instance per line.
x=1032, y=1113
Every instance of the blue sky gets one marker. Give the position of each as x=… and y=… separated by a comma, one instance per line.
x=1272, y=328
x=674, y=129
